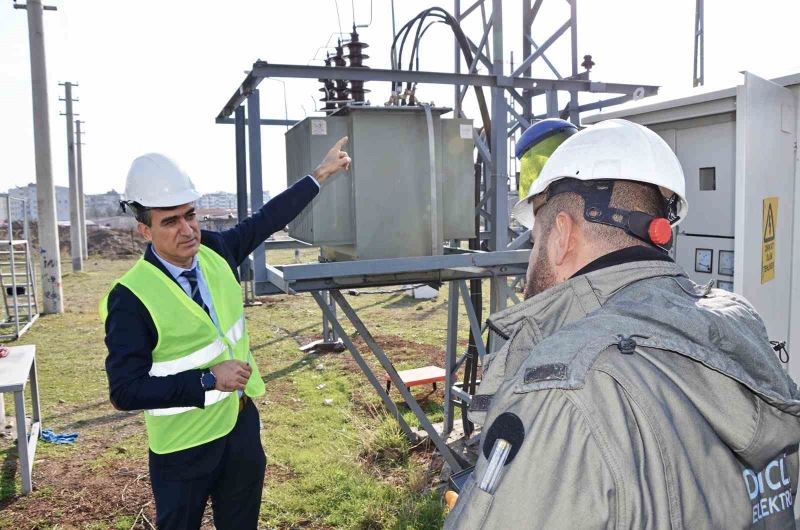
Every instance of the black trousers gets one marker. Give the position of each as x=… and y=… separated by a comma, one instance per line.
x=230, y=471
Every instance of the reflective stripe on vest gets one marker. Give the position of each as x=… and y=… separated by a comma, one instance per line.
x=212, y=397
x=200, y=357
x=189, y=340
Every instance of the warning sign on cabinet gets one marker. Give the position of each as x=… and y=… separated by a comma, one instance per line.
x=768, y=226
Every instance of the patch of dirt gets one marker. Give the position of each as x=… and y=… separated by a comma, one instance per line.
x=72, y=491
x=105, y=242
x=280, y=392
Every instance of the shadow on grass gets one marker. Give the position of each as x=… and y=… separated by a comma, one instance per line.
x=297, y=333
x=8, y=473
x=277, y=374
x=81, y=408
x=101, y=420
x=402, y=301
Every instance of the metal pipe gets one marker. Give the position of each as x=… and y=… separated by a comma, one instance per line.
x=45, y=192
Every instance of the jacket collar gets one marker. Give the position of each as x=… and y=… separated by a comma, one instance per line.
x=150, y=257
x=575, y=298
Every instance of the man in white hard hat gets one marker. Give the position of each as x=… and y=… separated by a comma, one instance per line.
x=626, y=396
x=178, y=346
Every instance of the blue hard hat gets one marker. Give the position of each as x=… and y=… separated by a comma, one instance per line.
x=539, y=131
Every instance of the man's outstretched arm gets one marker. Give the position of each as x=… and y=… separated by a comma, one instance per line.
x=243, y=238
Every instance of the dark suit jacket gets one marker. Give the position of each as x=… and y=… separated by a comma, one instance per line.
x=131, y=335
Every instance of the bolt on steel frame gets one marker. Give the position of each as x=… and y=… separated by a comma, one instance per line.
x=503, y=257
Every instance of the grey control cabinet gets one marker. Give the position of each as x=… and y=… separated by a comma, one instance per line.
x=385, y=205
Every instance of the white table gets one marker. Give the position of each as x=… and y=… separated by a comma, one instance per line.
x=15, y=370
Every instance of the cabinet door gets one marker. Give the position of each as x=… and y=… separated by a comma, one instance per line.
x=765, y=168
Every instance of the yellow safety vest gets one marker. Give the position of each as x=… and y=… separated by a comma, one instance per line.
x=189, y=340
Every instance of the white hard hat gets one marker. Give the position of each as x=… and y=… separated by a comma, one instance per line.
x=155, y=181
x=611, y=150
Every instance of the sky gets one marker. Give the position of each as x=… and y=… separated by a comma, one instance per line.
x=153, y=75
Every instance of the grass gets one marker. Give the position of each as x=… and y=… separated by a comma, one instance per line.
x=345, y=465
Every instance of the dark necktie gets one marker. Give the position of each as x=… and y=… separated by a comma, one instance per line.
x=191, y=275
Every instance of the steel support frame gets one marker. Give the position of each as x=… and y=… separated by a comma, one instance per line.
x=439, y=442
x=256, y=187
x=493, y=207
x=698, y=72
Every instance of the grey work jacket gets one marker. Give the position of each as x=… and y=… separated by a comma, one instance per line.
x=647, y=401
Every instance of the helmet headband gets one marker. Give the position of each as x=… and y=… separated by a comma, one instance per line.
x=597, y=194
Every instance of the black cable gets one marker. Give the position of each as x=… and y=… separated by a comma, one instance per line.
x=461, y=38
x=780, y=349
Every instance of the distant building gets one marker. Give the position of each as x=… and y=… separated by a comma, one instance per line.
x=221, y=199
x=103, y=205
x=28, y=193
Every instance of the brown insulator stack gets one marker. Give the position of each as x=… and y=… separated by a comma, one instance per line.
x=329, y=94
x=341, y=84
x=356, y=56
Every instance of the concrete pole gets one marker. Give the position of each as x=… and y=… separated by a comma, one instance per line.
x=45, y=193
x=76, y=247
x=81, y=195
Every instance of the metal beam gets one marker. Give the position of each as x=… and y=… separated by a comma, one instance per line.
x=362, y=330
x=605, y=103
x=699, y=45
x=450, y=355
x=462, y=91
x=539, y=52
x=470, y=9
x=498, y=172
x=307, y=271
x=536, y=47
x=263, y=70
x=520, y=119
x=574, y=115
x=474, y=325
x=256, y=185
x=376, y=384
x=264, y=121
x=478, y=53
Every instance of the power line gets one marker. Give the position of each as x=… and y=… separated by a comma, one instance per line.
x=339, y=18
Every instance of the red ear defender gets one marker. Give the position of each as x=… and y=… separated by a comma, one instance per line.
x=660, y=231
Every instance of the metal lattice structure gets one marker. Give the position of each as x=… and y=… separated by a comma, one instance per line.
x=698, y=72
x=497, y=254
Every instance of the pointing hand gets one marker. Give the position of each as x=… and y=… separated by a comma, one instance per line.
x=334, y=161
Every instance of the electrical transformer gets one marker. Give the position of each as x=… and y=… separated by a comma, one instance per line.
x=397, y=199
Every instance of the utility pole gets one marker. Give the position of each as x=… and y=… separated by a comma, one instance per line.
x=45, y=192
x=76, y=247
x=81, y=196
